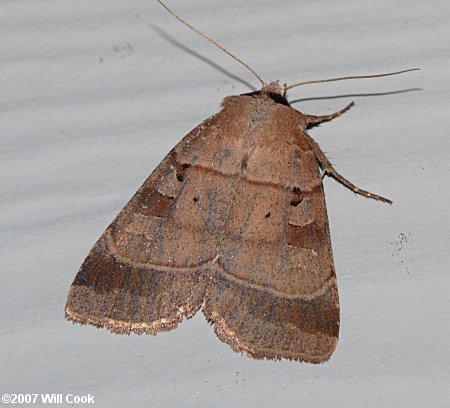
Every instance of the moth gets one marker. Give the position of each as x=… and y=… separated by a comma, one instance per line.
x=232, y=221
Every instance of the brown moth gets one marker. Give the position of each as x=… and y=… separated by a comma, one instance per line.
x=232, y=221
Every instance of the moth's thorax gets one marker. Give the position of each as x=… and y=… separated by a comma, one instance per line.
x=261, y=114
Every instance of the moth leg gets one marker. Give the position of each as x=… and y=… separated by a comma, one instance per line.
x=312, y=120
x=330, y=171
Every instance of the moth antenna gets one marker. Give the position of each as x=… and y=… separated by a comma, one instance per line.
x=211, y=40
x=316, y=81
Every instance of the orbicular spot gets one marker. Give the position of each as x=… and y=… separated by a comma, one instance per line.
x=181, y=171
x=296, y=197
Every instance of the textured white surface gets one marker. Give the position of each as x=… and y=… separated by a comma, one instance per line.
x=95, y=93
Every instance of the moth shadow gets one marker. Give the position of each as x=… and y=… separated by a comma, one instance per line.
x=360, y=95
x=197, y=55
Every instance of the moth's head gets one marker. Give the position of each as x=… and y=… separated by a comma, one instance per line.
x=275, y=91
x=273, y=88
